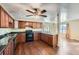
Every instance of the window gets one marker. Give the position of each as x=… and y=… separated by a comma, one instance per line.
x=63, y=17
x=63, y=24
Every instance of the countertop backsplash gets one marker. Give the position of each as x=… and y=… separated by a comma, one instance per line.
x=8, y=30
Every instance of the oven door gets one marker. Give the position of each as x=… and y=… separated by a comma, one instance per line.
x=29, y=37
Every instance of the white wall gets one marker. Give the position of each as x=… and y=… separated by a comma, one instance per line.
x=63, y=12
x=16, y=24
x=73, y=11
x=74, y=29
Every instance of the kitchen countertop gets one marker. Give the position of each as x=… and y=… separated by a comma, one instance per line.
x=10, y=32
x=6, y=36
x=5, y=31
x=49, y=33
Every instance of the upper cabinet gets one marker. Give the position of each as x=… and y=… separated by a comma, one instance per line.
x=34, y=25
x=6, y=21
x=11, y=23
x=21, y=24
x=2, y=18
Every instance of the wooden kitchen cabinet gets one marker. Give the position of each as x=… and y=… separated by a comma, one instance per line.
x=39, y=25
x=30, y=24
x=21, y=38
x=51, y=40
x=9, y=50
x=11, y=22
x=1, y=53
x=21, y=24
x=34, y=25
x=55, y=41
x=4, y=18
x=37, y=36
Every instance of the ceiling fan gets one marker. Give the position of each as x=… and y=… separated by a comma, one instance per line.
x=36, y=12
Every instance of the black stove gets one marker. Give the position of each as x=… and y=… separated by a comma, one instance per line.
x=29, y=36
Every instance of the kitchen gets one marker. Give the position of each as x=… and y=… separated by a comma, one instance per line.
x=38, y=30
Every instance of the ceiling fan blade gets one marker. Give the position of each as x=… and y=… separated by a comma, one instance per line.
x=35, y=9
x=43, y=15
x=30, y=11
x=28, y=15
x=43, y=11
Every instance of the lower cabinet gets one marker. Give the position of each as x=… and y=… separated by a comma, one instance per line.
x=9, y=50
x=20, y=38
x=37, y=36
x=1, y=53
x=55, y=41
x=51, y=40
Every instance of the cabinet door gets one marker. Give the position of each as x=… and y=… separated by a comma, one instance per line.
x=22, y=24
x=5, y=51
x=2, y=18
x=6, y=20
x=39, y=36
x=31, y=24
x=34, y=25
x=20, y=38
x=9, y=48
x=11, y=23
x=46, y=38
x=36, y=36
x=38, y=25
x=2, y=53
x=42, y=36
x=50, y=40
x=55, y=41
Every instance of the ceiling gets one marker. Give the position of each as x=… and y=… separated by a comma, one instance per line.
x=18, y=10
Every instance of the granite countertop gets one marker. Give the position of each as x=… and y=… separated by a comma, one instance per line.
x=11, y=33
x=6, y=36
x=2, y=36
x=49, y=33
x=4, y=31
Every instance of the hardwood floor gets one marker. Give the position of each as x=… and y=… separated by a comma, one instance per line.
x=40, y=48
x=67, y=47
x=34, y=48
